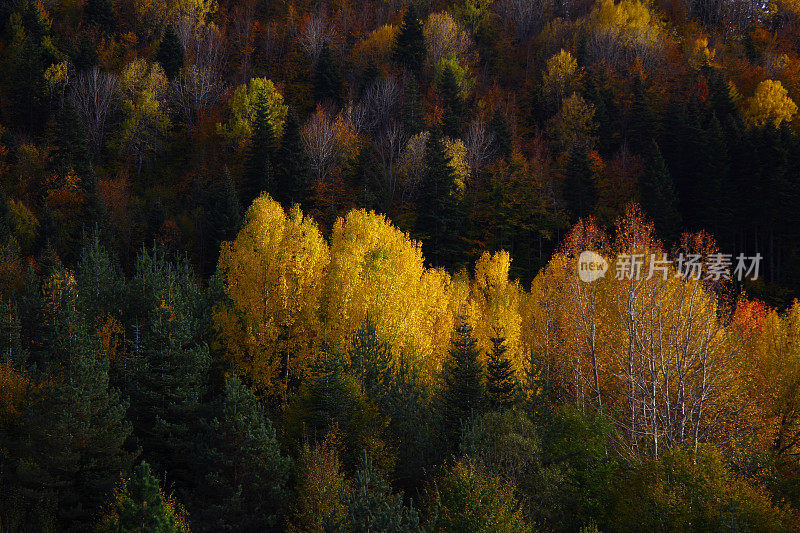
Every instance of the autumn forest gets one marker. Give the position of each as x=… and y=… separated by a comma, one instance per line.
x=399, y=266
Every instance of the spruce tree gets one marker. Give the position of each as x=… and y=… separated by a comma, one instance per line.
x=258, y=175
x=168, y=360
x=412, y=116
x=220, y=216
x=244, y=487
x=71, y=142
x=140, y=507
x=370, y=357
x=170, y=52
x=437, y=206
x=642, y=125
x=501, y=386
x=658, y=196
x=410, y=47
x=327, y=79
x=66, y=450
x=501, y=136
x=453, y=112
x=294, y=172
x=580, y=191
x=100, y=13
x=463, y=392
x=372, y=506
x=101, y=286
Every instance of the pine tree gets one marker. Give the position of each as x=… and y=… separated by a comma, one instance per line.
x=220, y=216
x=410, y=48
x=101, y=13
x=580, y=190
x=373, y=507
x=658, y=196
x=642, y=125
x=501, y=386
x=140, y=507
x=66, y=451
x=245, y=483
x=169, y=360
x=71, y=141
x=437, y=207
x=258, y=173
x=370, y=357
x=294, y=173
x=170, y=52
x=463, y=392
x=101, y=286
x=327, y=79
x=412, y=117
x=501, y=136
x=453, y=112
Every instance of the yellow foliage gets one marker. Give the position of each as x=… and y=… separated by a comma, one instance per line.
x=769, y=104
x=377, y=46
x=243, y=109
x=273, y=276
x=376, y=270
x=559, y=76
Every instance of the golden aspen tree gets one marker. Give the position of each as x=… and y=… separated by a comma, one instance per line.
x=376, y=270
x=273, y=276
x=770, y=104
x=497, y=302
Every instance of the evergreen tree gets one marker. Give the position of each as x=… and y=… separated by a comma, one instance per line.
x=170, y=52
x=453, y=112
x=501, y=136
x=245, y=484
x=327, y=78
x=220, y=216
x=169, y=360
x=437, y=206
x=501, y=386
x=410, y=47
x=580, y=191
x=66, y=450
x=258, y=173
x=370, y=357
x=140, y=507
x=412, y=116
x=101, y=286
x=71, y=141
x=642, y=125
x=463, y=392
x=373, y=507
x=294, y=173
x=101, y=13
x=658, y=196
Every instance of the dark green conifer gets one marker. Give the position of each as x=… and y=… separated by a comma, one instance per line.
x=410, y=48
x=501, y=387
x=170, y=52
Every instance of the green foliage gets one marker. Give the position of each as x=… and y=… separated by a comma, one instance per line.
x=371, y=505
x=293, y=173
x=65, y=452
x=501, y=385
x=141, y=507
x=658, y=195
x=580, y=189
x=437, y=205
x=170, y=52
x=259, y=174
x=327, y=78
x=167, y=375
x=463, y=392
x=245, y=485
x=684, y=488
x=470, y=499
x=410, y=48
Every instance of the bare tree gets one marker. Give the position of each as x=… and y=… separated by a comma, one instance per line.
x=198, y=85
x=378, y=105
x=94, y=94
x=321, y=138
x=522, y=17
x=479, y=143
x=314, y=36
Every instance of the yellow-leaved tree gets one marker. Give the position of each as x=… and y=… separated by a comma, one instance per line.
x=376, y=270
x=273, y=275
x=769, y=104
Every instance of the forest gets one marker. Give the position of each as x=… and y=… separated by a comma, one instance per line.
x=315, y=266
